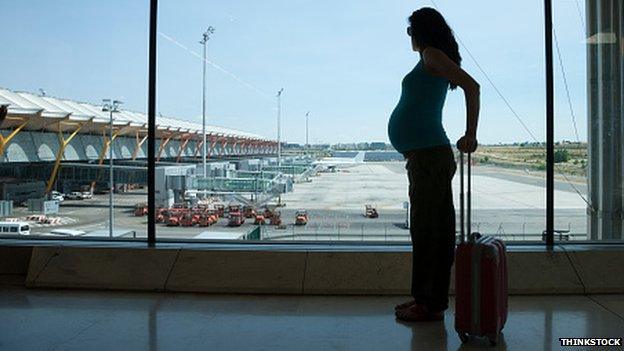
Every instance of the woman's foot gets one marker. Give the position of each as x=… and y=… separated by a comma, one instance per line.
x=418, y=313
x=404, y=305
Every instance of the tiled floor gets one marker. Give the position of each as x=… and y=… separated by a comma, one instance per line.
x=96, y=320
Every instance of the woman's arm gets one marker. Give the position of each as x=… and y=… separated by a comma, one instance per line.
x=439, y=64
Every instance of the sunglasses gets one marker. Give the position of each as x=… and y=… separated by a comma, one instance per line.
x=409, y=31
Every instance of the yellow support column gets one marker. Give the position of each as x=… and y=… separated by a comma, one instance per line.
x=234, y=144
x=162, y=146
x=198, y=146
x=105, y=147
x=59, y=155
x=224, y=145
x=184, y=143
x=212, y=145
x=139, y=143
x=4, y=141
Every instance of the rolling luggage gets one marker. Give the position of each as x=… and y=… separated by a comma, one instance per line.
x=480, y=278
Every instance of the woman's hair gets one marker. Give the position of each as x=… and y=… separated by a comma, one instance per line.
x=430, y=29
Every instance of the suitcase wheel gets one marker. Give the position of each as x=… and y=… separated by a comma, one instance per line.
x=463, y=337
x=493, y=339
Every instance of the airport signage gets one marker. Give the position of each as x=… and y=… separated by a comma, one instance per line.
x=50, y=207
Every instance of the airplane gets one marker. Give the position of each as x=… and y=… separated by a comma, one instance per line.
x=331, y=163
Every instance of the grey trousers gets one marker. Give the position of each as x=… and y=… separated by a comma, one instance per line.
x=432, y=223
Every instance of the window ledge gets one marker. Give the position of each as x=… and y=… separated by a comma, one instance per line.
x=289, y=268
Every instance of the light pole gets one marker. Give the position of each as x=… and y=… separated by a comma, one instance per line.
x=279, y=129
x=307, y=117
x=110, y=107
x=205, y=38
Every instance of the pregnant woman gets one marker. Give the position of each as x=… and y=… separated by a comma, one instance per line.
x=415, y=129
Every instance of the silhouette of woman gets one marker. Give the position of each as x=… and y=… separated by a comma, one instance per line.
x=415, y=129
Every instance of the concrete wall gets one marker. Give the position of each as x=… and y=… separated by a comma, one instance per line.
x=283, y=271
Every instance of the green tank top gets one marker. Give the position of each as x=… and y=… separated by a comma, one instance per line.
x=416, y=121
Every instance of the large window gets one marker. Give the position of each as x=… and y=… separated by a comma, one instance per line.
x=59, y=61
x=571, y=149
x=509, y=166
x=271, y=119
x=334, y=159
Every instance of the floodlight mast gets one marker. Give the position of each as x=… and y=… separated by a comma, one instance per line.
x=204, y=41
x=279, y=128
x=110, y=107
x=307, y=118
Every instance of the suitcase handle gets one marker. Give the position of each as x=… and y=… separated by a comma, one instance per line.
x=461, y=199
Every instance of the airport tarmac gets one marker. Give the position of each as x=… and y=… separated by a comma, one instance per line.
x=385, y=185
x=506, y=202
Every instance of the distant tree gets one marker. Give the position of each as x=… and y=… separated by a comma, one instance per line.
x=562, y=155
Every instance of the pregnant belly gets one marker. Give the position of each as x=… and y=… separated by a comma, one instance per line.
x=409, y=129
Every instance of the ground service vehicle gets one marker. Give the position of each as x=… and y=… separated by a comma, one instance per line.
x=236, y=216
x=140, y=209
x=220, y=208
x=371, y=212
x=259, y=220
x=301, y=217
x=160, y=214
x=249, y=212
x=174, y=219
x=186, y=220
x=275, y=218
x=207, y=219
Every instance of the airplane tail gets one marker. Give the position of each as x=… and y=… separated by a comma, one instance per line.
x=359, y=157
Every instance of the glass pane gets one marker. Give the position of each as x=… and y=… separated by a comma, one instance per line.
x=64, y=59
x=508, y=168
x=571, y=162
x=340, y=67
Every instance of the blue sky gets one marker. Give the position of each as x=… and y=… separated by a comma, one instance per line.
x=342, y=60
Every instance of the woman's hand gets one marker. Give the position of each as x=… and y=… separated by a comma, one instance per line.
x=467, y=144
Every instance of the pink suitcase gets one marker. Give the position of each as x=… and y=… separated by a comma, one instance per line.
x=480, y=279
